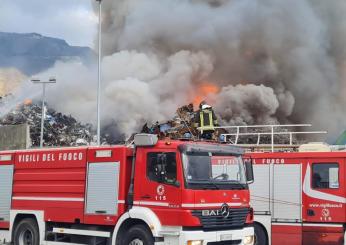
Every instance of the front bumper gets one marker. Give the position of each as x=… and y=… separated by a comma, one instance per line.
x=212, y=237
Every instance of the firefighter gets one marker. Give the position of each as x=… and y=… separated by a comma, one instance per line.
x=205, y=121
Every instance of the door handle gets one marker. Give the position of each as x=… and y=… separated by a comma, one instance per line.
x=146, y=197
x=311, y=212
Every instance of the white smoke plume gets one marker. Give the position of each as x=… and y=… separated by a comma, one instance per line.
x=270, y=61
x=10, y=80
x=11, y=86
x=139, y=92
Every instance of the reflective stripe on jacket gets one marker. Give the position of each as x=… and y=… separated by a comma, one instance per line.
x=206, y=120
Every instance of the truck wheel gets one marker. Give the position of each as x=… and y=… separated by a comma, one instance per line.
x=138, y=235
x=26, y=233
x=260, y=235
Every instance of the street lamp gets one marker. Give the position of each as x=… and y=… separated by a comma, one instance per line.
x=99, y=76
x=38, y=81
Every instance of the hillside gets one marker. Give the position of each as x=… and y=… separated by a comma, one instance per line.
x=32, y=53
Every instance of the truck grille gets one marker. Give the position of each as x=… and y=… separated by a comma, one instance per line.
x=235, y=219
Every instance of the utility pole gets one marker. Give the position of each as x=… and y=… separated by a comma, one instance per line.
x=43, y=112
x=99, y=75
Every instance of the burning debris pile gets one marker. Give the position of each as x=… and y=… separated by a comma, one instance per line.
x=60, y=129
x=182, y=127
x=63, y=130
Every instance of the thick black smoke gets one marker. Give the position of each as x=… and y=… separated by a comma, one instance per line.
x=289, y=56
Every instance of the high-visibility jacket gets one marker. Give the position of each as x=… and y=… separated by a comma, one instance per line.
x=205, y=120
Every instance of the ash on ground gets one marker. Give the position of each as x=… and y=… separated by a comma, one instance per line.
x=59, y=129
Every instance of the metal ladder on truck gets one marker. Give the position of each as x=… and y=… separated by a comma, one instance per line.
x=235, y=133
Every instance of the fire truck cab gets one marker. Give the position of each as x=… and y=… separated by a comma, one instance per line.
x=151, y=192
x=299, y=198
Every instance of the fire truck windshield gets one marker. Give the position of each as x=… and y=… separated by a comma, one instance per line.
x=207, y=170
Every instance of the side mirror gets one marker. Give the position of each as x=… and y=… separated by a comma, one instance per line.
x=249, y=172
x=177, y=183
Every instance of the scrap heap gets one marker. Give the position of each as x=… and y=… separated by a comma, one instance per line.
x=182, y=127
x=63, y=130
x=60, y=130
x=182, y=124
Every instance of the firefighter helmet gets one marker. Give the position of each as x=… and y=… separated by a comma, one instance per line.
x=203, y=105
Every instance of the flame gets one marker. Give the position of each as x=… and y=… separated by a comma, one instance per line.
x=27, y=102
x=203, y=91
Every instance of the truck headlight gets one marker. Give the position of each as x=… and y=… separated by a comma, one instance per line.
x=248, y=240
x=195, y=242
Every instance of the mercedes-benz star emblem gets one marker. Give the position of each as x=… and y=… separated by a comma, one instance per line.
x=224, y=210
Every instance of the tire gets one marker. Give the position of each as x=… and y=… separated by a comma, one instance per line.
x=138, y=235
x=26, y=233
x=260, y=235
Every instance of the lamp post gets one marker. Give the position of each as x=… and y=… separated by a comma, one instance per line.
x=99, y=75
x=38, y=81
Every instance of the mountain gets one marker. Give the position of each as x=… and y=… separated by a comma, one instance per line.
x=32, y=53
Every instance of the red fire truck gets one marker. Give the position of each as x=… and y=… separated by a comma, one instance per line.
x=151, y=192
x=299, y=198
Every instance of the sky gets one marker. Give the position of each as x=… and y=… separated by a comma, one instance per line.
x=72, y=20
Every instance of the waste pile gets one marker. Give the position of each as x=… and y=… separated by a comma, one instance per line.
x=60, y=129
x=181, y=126
x=65, y=130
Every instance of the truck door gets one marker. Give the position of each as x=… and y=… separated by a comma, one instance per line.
x=158, y=183
x=286, y=204
x=102, y=192
x=324, y=199
x=6, y=179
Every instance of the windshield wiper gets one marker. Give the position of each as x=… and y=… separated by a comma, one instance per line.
x=205, y=184
x=224, y=177
x=213, y=185
x=233, y=185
